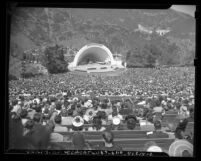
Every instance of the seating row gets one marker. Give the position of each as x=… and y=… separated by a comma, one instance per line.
x=127, y=144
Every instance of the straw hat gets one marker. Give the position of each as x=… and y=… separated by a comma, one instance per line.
x=77, y=121
x=116, y=121
x=88, y=104
x=177, y=147
x=75, y=99
x=154, y=148
x=142, y=103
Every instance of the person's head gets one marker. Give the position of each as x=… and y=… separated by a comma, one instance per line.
x=108, y=137
x=23, y=113
x=150, y=117
x=73, y=106
x=97, y=123
x=14, y=102
x=37, y=117
x=114, y=112
x=38, y=108
x=70, y=112
x=29, y=124
x=157, y=125
x=131, y=123
x=179, y=133
x=186, y=153
x=104, y=106
x=58, y=106
x=101, y=114
x=57, y=119
x=182, y=124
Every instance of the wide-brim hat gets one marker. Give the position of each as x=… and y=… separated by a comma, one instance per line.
x=142, y=103
x=154, y=148
x=77, y=121
x=116, y=121
x=90, y=112
x=88, y=105
x=177, y=147
x=37, y=100
x=86, y=118
x=184, y=108
x=75, y=99
x=157, y=109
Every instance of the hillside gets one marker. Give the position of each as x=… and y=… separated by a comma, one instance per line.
x=122, y=31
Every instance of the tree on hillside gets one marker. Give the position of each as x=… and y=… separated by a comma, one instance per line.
x=54, y=60
x=128, y=55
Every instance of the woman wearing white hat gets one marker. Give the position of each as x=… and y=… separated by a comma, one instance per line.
x=77, y=124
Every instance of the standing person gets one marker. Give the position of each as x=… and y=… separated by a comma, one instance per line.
x=108, y=144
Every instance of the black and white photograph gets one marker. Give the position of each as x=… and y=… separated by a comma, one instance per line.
x=102, y=79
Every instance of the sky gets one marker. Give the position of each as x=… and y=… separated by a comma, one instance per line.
x=189, y=9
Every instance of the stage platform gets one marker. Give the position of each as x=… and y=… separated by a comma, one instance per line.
x=96, y=68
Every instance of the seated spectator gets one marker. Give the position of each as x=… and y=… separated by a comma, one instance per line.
x=58, y=127
x=45, y=116
x=23, y=115
x=191, y=117
x=38, y=108
x=125, y=110
x=97, y=125
x=58, y=107
x=79, y=143
x=67, y=120
x=147, y=125
x=88, y=116
x=158, y=133
x=37, y=118
x=31, y=112
x=28, y=127
x=170, y=129
x=179, y=134
x=102, y=115
x=77, y=124
x=131, y=121
x=116, y=124
x=182, y=124
x=109, y=143
x=157, y=116
x=115, y=114
x=16, y=109
x=184, y=111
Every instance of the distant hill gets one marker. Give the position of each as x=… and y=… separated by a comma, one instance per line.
x=117, y=29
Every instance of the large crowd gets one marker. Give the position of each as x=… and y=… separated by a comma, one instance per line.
x=40, y=108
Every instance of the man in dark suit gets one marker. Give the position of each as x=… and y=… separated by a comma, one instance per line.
x=158, y=133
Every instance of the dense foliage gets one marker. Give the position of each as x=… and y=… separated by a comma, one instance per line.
x=54, y=60
x=117, y=29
